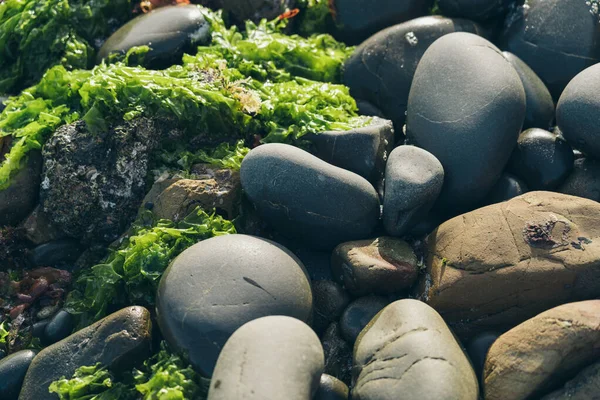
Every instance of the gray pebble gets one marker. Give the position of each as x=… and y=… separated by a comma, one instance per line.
x=329, y=302
x=358, y=314
x=60, y=326
x=413, y=181
x=584, y=180
x=12, y=372
x=269, y=358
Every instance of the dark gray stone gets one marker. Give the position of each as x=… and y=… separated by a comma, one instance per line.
x=255, y=10
x=382, y=266
x=2, y=105
x=217, y=285
x=117, y=341
x=168, y=31
x=466, y=107
x=542, y=159
x=331, y=388
x=338, y=354
x=329, y=302
x=60, y=326
x=317, y=263
x=39, y=229
x=584, y=181
x=477, y=350
x=306, y=198
x=556, y=38
x=12, y=373
x=408, y=349
x=363, y=151
x=20, y=198
x=426, y=226
x=38, y=328
x=585, y=386
x=269, y=358
x=507, y=187
x=539, y=109
x=413, y=181
x=356, y=20
x=576, y=111
x=366, y=108
x=476, y=10
x=56, y=253
x=358, y=314
x=381, y=69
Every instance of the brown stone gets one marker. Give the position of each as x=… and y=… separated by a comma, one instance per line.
x=380, y=266
x=174, y=199
x=497, y=266
x=542, y=352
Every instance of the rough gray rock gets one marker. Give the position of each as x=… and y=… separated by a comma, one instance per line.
x=466, y=107
x=118, y=341
x=408, y=349
x=306, y=198
x=93, y=183
x=217, y=285
x=413, y=181
x=269, y=358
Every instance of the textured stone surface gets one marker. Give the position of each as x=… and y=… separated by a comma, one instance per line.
x=116, y=341
x=380, y=266
x=543, y=351
x=407, y=348
x=269, y=358
x=497, y=266
x=466, y=107
x=217, y=285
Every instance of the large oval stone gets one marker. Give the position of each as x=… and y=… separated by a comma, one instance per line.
x=381, y=69
x=269, y=358
x=215, y=286
x=466, y=107
x=543, y=352
x=497, y=266
x=12, y=372
x=308, y=199
x=168, y=31
x=556, y=38
x=407, y=348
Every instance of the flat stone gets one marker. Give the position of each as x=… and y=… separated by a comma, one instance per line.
x=380, y=266
x=413, y=181
x=12, y=372
x=540, y=353
x=308, y=199
x=217, y=285
x=269, y=358
x=168, y=31
x=466, y=107
x=117, y=341
x=497, y=266
x=407, y=348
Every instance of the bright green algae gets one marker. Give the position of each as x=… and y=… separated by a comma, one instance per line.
x=260, y=82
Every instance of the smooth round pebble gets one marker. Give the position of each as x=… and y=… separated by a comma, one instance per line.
x=407, y=348
x=217, y=285
x=356, y=20
x=556, y=38
x=269, y=358
x=21, y=197
x=12, y=372
x=55, y=253
x=466, y=107
x=584, y=180
x=577, y=111
x=329, y=302
x=507, y=187
x=308, y=199
x=381, y=69
x=331, y=388
x=358, y=314
x=60, y=326
x=413, y=181
x=539, y=108
x=477, y=350
x=168, y=31
x=542, y=159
